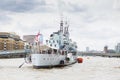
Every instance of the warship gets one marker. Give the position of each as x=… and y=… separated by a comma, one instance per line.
x=58, y=50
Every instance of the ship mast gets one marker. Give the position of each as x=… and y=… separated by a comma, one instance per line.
x=66, y=29
x=61, y=25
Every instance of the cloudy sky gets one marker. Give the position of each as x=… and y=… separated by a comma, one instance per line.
x=93, y=23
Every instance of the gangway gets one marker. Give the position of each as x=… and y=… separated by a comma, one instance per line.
x=14, y=53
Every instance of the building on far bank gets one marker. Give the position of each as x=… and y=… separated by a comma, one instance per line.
x=105, y=49
x=10, y=41
x=29, y=40
x=117, y=48
x=87, y=49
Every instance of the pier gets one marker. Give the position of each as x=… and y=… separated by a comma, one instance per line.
x=14, y=53
x=99, y=54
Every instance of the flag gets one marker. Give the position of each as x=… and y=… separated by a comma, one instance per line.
x=39, y=38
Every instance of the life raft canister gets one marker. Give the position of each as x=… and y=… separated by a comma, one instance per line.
x=80, y=60
x=67, y=59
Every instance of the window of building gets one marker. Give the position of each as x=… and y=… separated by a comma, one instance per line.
x=55, y=45
x=75, y=46
x=4, y=45
x=4, y=48
x=57, y=41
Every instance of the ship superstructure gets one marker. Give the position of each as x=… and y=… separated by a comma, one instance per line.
x=60, y=39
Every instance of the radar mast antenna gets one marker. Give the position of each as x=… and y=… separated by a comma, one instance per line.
x=61, y=15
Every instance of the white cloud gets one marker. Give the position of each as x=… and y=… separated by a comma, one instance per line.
x=93, y=23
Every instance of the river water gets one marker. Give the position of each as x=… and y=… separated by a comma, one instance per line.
x=92, y=68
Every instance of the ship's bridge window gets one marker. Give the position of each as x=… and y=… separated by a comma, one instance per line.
x=57, y=41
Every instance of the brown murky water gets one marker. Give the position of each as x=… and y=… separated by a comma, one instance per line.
x=92, y=68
